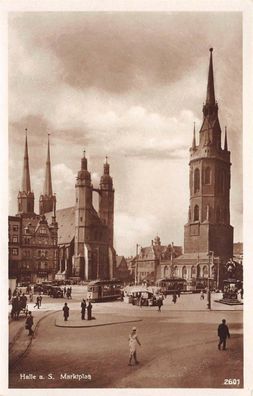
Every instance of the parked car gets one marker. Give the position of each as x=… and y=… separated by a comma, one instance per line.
x=56, y=292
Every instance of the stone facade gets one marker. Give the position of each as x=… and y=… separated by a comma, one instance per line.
x=208, y=227
x=33, y=251
x=154, y=262
x=85, y=236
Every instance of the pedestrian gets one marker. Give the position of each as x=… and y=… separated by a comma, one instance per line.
x=223, y=333
x=159, y=303
x=174, y=298
x=9, y=294
x=179, y=293
x=29, y=323
x=40, y=299
x=65, y=311
x=68, y=293
x=83, y=308
x=37, y=302
x=31, y=296
x=89, y=311
x=64, y=291
x=133, y=341
x=202, y=296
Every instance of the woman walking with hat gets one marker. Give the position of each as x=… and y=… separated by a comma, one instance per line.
x=133, y=342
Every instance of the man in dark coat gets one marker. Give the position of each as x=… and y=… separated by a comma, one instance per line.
x=29, y=323
x=37, y=302
x=83, y=308
x=89, y=308
x=65, y=311
x=159, y=303
x=223, y=333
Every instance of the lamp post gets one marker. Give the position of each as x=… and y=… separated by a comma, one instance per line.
x=136, y=265
x=210, y=255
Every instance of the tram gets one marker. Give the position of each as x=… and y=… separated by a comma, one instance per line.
x=104, y=290
x=172, y=285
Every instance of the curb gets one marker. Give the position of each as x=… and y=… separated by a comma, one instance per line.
x=30, y=341
x=97, y=325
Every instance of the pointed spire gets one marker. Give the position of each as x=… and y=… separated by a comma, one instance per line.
x=194, y=137
x=84, y=162
x=26, y=183
x=225, y=141
x=48, y=179
x=210, y=96
x=106, y=167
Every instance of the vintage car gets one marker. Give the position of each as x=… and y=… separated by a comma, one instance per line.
x=56, y=292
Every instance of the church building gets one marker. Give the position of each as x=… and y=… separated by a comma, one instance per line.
x=208, y=235
x=85, y=236
x=33, y=251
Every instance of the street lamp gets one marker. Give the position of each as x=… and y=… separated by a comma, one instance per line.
x=136, y=265
x=210, y=255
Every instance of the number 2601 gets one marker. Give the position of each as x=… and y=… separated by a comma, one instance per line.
x=231, y=381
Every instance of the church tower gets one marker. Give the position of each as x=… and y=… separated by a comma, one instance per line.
x=25, y=195
x=106, y=201
x=47, y=200
x=83, y=210
x=208, y=227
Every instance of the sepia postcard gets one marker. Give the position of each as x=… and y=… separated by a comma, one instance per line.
x=126, y=203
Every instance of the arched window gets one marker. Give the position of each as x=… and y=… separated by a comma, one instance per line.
x=196, y=213
x=196, y=180
x=207, y=176
x=184, y=272
x=193, y=272
x=205, y=271
x=166, y=272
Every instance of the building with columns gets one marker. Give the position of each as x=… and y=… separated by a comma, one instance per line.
x=33, y=252
x=208, y=235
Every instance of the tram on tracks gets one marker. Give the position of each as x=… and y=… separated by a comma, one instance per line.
x=104, y=290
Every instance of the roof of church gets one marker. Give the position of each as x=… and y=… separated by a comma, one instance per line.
x=66, y=224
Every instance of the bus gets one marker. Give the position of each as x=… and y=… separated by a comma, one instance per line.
x=104, y=290
x=172, y=285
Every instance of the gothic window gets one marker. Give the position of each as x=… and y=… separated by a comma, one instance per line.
x=15, y=251
x=184, y=272
x=193, y=272
x=196, y=180
x=205, y=271
x=15, y=239
x=166, y=271
x=196, y=213
x=15, y=228
x=207, y=176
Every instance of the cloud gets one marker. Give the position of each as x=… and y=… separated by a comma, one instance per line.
x=129, y=86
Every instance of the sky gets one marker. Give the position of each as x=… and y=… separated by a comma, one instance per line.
x=130, y=86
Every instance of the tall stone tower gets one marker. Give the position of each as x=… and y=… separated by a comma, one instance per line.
x=208, y=227
x=47, y=200
x=106, y=201
x=83, y=208
x=26, y=196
